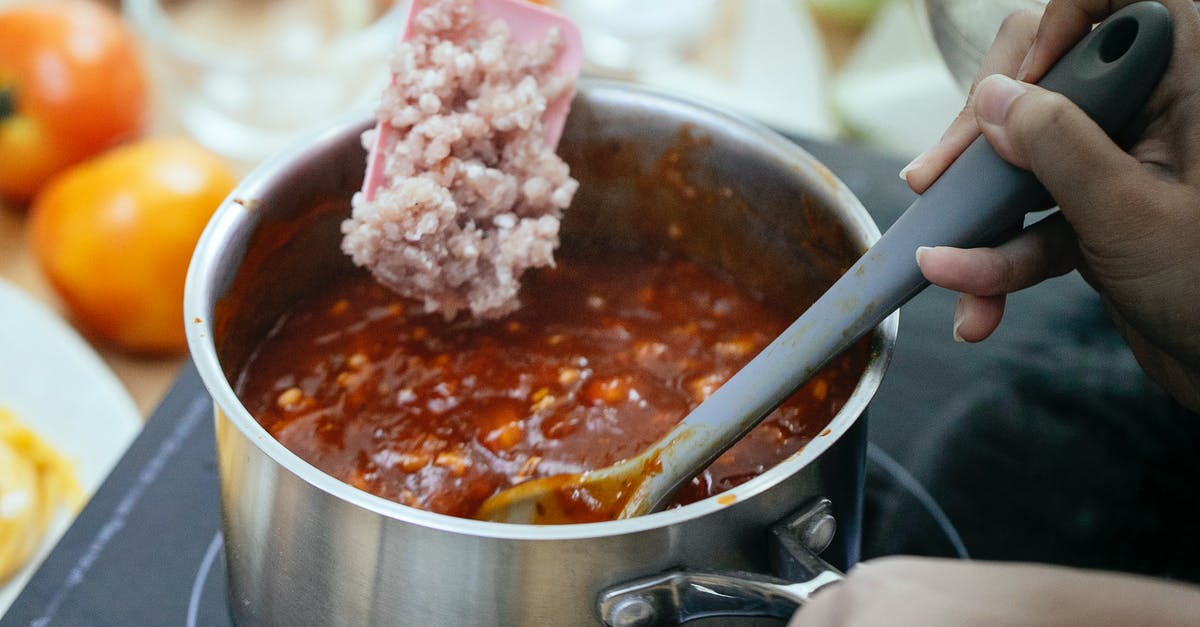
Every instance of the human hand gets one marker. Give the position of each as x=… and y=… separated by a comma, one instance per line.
x=1129, y=222
x=923, y=591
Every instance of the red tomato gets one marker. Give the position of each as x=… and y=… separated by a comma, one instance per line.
x=71, y=85
x=115, y=234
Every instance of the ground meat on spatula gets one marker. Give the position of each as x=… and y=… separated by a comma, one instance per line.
x=473, y=195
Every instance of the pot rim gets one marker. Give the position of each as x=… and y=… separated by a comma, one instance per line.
x=206, y=278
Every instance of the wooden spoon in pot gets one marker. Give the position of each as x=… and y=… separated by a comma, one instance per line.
x=1109, y=74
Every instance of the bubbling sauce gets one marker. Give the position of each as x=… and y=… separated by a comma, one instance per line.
x=609, y=351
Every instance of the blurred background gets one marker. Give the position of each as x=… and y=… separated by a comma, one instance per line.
x=245, y=76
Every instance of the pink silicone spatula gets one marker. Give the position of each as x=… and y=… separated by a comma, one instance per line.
x=527, y=22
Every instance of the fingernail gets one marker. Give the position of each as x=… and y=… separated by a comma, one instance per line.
x=959, y=314
x=921, y=252
x=912, y=165
x=995, y=96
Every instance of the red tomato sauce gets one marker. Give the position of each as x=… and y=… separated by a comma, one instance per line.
x=609, y=350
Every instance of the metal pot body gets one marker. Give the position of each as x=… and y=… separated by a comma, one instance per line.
x=304, y=548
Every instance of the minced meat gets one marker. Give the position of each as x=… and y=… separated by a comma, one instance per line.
x=473, y=195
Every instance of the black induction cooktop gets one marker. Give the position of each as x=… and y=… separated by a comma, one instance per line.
x=1044, y=443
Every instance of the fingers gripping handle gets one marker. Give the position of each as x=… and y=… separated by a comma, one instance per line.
x=1109, y=75
x=980, y=198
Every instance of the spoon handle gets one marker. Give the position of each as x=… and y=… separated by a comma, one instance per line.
x=980, y=198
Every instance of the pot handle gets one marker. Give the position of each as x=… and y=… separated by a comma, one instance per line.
x=680, y=596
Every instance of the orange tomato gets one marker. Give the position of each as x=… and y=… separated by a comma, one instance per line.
x=71, y=86
x=115, y=235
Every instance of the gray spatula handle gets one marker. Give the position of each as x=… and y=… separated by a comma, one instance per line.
x=1109, y=74
x=980, y=197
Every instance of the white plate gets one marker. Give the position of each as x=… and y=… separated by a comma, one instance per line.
x=55, y=384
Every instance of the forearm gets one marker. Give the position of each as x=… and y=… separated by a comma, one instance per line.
x=921, y=591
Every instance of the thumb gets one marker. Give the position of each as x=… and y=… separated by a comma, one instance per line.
x=1096, y=184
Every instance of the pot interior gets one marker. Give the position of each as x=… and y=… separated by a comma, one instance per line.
x=654, y=173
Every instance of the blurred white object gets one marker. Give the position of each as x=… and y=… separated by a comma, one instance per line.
x=246, y=77
x=766, y=62
x=894, y=93
x=964, y=30
x=623, y=35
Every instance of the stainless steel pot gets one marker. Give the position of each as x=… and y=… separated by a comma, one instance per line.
x=305, y=548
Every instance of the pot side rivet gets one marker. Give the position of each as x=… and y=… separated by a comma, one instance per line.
x=633, y=612
x=819, y=534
